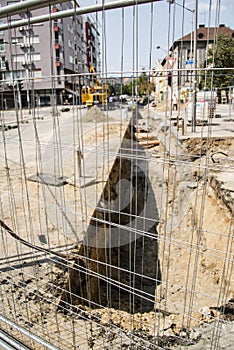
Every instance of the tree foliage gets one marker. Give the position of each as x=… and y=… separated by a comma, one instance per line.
x=220, y=55
x=139, y=86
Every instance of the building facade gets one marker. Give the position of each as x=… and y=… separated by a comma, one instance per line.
x=47, y=58
x=179, y=64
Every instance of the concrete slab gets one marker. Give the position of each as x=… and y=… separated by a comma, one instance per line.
x=48, y=179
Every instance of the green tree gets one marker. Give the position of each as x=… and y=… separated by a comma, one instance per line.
x=128, y=89
x=220, y=55
x=113, y=90
x=141, y=86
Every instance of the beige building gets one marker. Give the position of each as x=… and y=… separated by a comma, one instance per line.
x=180, y=61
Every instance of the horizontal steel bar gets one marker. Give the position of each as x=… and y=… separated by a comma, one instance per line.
x=10, y=343
x=28, y=333
x=77, y=11
x=25, y=6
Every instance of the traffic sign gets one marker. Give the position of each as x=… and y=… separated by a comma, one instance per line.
x=171, y=61
x=189, y=62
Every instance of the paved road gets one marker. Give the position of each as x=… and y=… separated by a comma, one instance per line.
x=49, y=146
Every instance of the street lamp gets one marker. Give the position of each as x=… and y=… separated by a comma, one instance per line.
x=169, y=72
x=160, y=48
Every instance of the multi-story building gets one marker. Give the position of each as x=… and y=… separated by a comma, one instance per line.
x=181, y=56
x=47, y=58
x=92, y=42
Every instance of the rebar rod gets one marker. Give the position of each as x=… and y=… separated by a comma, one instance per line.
x=28, y=333
x=28, y=5
x=10, y=343
x=72, y=12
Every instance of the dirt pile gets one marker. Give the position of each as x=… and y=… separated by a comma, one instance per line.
x=95, y=114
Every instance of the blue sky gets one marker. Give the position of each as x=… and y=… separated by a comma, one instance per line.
x=169, y=23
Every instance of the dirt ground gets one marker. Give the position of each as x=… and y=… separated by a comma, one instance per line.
x=195, y=243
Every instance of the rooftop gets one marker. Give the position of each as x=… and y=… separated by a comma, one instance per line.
x=208, y=33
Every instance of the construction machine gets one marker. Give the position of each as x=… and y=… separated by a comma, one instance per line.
x=95, y=92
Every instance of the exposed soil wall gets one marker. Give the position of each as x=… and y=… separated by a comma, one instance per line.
x=108, y=271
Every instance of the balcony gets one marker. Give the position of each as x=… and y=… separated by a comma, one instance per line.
x=58, y=61
x=56, y=8
x=2, y=65
x=57, y=43
x=25, y=46
x=57, y=25
x=24, y=29
x=28, y=65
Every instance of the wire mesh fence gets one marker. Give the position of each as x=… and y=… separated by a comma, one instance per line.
x=116, y=192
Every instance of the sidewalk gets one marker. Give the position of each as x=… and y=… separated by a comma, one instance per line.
x=222, y=126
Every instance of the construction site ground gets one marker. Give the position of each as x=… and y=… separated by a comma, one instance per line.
x=197, y=191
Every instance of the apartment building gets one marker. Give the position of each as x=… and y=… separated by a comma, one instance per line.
x=181, y=54
x=43, y=58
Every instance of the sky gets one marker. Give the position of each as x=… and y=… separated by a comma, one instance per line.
x=130, y=38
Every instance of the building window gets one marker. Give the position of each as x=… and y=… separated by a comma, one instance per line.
x=2, y=63
x=37, y=74
x=71, y=59
x=22, y=58
x=17, y=74
x=2, y=46
x=70, y=28
x=1, y=32
x=70, y=44
x=32, y=40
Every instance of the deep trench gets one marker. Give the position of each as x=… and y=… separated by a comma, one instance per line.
x=118, y=262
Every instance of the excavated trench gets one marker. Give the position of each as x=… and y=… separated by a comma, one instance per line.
x=118, y=261
x=151, y=271
x=122, y=276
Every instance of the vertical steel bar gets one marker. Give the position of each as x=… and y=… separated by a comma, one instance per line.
x=195, y=67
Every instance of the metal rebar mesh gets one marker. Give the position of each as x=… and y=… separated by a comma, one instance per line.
x=116, y=219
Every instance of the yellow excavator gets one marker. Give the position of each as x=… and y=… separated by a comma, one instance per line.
x=96, y=92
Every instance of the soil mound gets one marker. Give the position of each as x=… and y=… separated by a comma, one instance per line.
x=94, y=114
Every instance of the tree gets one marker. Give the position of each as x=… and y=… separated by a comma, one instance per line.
x=113, y=90
x=129, y=89
x=221, y=55
x=143, y=84
x=140, y=86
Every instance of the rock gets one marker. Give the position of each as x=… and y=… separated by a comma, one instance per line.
x=169, y=333
x=165, y=128
x=195, y=335
x=5, y=281
x=183, y=334
x=205, y=311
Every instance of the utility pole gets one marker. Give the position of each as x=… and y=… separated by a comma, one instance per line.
x=195, y=68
